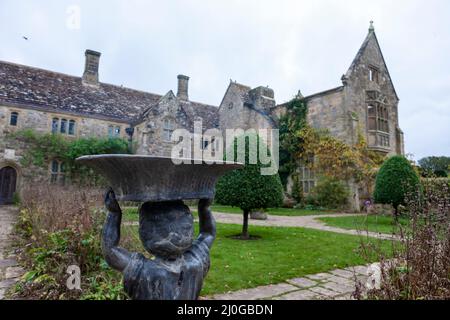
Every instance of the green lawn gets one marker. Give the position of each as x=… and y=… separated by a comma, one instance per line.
x=274, y=211
x=130, y=214
x=281, y=254
x=374, y=223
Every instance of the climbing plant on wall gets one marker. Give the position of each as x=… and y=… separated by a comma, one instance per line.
x=291, y=144
x=42, y=148
x=336, y=159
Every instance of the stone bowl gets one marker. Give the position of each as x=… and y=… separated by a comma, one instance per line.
x=143, y=178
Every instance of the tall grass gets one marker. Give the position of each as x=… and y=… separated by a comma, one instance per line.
x=59, y=227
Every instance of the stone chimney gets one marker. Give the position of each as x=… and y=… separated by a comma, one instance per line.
x=90, y=75
x=183, y=83
x=263, y=98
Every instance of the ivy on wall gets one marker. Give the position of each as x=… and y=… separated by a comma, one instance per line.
x=291, y=143
x=333, y=158
x=42, y=148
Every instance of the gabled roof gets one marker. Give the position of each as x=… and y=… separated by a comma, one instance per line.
x=324, y=93
x=241, y=89
x=244, y=93
x=28, y=87
x=191, y=110
x=370, y=36
x=209, y=114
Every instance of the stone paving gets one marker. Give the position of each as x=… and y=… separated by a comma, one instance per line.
x=338, y=284
x=10, y=272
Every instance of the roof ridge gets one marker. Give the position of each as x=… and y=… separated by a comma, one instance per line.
x=324, y=92
x=74, y=77
x=202, y=104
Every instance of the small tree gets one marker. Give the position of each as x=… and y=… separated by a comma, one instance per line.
x=395, y=180
x=247, y=188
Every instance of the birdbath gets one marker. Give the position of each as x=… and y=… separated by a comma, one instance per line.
x=180, y=263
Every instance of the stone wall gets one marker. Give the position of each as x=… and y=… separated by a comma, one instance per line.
x=12, y=150
x=149, y=134
x=328, y=112
x=234, y=113
x=357, y=84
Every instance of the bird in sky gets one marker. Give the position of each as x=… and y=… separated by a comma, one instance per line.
x=25, y=38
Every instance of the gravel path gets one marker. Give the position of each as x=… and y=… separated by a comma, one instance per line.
x=310, y=222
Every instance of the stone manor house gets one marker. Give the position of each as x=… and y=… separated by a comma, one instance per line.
x=72, y=106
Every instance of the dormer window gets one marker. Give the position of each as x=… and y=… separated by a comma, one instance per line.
x=14, y=119
x=168, y=129
x=374, y=74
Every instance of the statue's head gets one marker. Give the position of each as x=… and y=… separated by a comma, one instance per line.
x=166, y=228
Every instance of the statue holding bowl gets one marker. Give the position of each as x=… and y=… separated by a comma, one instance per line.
x=179, y=264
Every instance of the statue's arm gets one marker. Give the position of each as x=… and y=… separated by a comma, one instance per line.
x=118, y=258
x=207, y=223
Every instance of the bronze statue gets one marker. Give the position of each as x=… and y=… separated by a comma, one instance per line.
x=166, y=226
x=166, y=231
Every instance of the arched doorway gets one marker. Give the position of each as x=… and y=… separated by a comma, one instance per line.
x=8, y=179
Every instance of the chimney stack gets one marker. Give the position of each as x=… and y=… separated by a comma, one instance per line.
x=183, y=83
x=90, y=75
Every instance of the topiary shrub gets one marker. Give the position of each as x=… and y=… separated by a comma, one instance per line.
x=247, y=188
x=331, y=193
x=395, y=181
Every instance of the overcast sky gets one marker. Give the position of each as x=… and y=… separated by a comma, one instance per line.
x=287, y=45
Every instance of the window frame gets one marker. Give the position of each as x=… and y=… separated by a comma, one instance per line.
x=72, y=127
x=374, y=74
x=64, y=126
x=114, y=131
x=57, y=172
x=55, y=125
x=168, y=128
x=306, y=178
x=378, y=119
x=14, y=115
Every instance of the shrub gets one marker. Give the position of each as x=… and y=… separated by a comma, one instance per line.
x=331, y=193
x=247, y=188
x=395, y=179
x=59, y=227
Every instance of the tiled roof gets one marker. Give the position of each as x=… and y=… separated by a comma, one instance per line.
x=208, y=114
x=34, y=88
